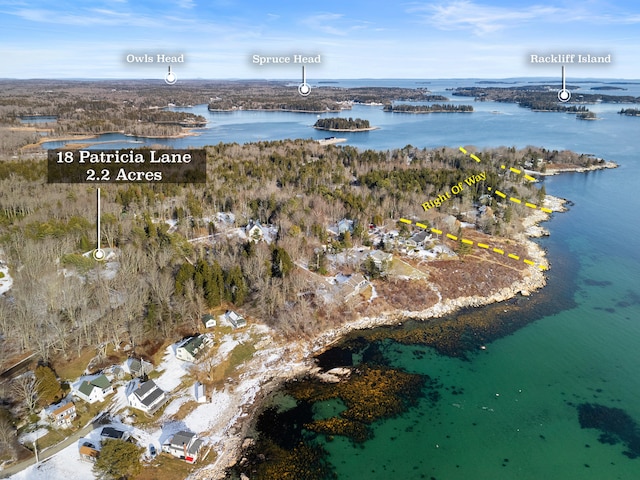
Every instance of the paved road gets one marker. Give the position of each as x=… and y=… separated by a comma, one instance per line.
x=49, y=452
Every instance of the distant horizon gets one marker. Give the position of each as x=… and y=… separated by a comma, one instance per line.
x=329, y=79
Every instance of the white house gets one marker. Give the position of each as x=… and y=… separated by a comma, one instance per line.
x=148, y=397
x=208, y=320
x=190, y=350
x=381, y=259
x=345, y=225
x=353, y=285
x=255, y=231
x=184, y=445
x=94, y=390
x=64, y=415
x=419, y=239
x=235, y=319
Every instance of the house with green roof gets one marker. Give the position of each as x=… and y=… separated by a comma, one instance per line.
x=192, y=348
x=94, y=390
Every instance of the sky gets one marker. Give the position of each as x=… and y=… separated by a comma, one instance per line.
x=355, y=39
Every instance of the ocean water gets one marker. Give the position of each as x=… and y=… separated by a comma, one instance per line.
x=515, y=413
x=518, y=414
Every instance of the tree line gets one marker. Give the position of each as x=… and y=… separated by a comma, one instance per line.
x=406, y=108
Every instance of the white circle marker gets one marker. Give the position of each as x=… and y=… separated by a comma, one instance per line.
x=170, y=78
x=304, y=89
x=564, y=95
x=98, y=254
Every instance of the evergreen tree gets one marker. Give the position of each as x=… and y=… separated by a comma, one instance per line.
x=214, y=287
x=346, y=239
x=236, y=286
x=118, y=459
x=281, y=263
x=48, y=385
x=202, y=275
x=185, y=273
x=370, y=269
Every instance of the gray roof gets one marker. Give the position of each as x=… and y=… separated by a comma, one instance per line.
x=195, y=447
x=110, y=432
x=152, y=397
x=134, y=365
x=145, y=388
x=193, y=344
x=182, y=438
x=420, y=236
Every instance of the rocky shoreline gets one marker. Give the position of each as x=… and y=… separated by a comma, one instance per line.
x=297, y=358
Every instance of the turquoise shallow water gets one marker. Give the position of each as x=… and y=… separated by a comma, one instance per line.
x=517, y=415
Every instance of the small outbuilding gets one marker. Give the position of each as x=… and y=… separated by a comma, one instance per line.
x=208, y=320
x=235, y=319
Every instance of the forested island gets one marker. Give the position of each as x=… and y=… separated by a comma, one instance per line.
x=630, y=112
x=436, y=108
x=587, y=115
x=337, y=124
x=542, y=98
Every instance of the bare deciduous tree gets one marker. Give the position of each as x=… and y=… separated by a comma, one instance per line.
x=25, y=389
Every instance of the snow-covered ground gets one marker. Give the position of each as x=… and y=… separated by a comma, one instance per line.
x=172, y=370
x=66, y=465
x=6, y=281
x=215, y=422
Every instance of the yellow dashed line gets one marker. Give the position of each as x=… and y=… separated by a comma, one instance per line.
x=530, y=178
x=517, y=200
x=471, y=242
x=515, y=170
x=475, y=158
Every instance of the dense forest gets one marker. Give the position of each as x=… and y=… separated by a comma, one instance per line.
x=406, y=108
x=299, y=187
x=337, y=123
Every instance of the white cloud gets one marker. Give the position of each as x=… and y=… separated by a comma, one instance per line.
x=186, y=3
x=484, y=19
x=333, y=24
x=104, y=17
x=481, y=19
